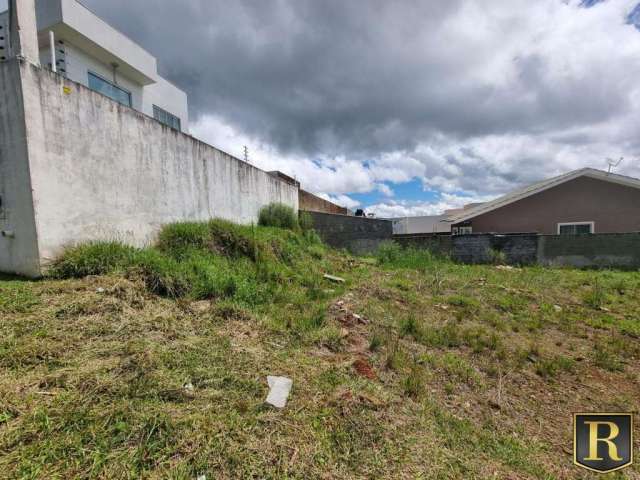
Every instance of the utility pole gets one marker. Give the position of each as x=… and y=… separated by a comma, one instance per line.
x=246, y=154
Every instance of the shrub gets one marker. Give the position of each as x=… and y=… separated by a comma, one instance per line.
x=496, y=257
x=95, y=258
x=388, y=252
x=278, y=215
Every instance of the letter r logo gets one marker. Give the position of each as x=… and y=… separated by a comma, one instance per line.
x=603, y=442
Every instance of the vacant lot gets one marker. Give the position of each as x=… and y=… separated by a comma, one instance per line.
x=153, y=363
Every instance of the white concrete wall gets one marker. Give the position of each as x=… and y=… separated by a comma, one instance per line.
x=427, y=224
x=103, y=171
x=18, y=241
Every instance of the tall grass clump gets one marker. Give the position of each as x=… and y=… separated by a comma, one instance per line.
x=278, y=215
x=251, y=266
x=391, y=254
x=94, y=258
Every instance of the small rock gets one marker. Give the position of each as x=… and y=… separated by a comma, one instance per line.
x=201, y=477
x=279, y=391
x=557, y=308
x=344, y=332
x=100, y=290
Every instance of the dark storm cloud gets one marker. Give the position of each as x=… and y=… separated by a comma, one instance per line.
x=355, y=78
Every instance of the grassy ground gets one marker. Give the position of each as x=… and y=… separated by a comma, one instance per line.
x=153, y=362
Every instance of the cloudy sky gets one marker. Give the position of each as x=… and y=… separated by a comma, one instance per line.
x=404, y=107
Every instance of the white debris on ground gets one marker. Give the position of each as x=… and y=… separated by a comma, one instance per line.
x=333, y=278
x=189, y=389
x=279, y=391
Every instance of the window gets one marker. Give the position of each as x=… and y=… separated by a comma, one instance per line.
x=112, y=91
x=166, y=118
x=576, y=228
x=466, y=230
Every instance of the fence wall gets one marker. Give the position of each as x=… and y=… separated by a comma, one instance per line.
x=620, y=250
x=359, y=235
x=98, y=170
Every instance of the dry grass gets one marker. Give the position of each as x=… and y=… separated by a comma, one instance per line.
x=476, y=372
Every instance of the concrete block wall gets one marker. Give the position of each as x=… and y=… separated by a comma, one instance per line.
x=359, y=235
x=615, y=250
x=436, y=244
x=600, y=250
x=97, y=170
x=521, y=249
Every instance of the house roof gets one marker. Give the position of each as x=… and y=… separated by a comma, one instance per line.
x=535, y=188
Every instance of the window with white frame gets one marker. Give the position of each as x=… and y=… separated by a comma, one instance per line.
x=576, y=228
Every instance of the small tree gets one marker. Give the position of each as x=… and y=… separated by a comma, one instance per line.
x=278, y=215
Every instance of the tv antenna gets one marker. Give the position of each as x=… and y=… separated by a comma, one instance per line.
x=613, y=163
x=246, y=154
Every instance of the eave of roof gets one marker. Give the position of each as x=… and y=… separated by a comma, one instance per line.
x=538, y=187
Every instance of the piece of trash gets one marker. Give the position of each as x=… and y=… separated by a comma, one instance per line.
x=189, y=389
x=557, y=308
x=334, y=278
x=99, y=290
x=279, y=391
x=505, y=267
x=201, y=477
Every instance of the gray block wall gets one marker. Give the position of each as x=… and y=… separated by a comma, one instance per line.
x=600, y=250
x=359, y=235
x=615, y=250
x=436, y=244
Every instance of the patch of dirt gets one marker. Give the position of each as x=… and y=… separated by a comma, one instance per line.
x=364, y=369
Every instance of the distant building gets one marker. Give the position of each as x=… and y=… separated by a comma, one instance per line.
x=428, y=224
x=579, y=202
x=91, y=52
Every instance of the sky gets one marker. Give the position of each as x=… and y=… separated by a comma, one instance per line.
x=407, y=107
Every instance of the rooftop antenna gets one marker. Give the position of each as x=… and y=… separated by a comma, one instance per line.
x=246, y=154
x=613, y=163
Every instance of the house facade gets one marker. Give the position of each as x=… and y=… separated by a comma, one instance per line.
x=80, y=46
x=579, y=202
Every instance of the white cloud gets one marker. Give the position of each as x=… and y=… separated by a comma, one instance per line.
x=342, y=200
x=401, y=208
x=511, y=92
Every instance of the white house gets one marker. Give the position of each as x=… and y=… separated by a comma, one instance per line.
x=89, y=51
